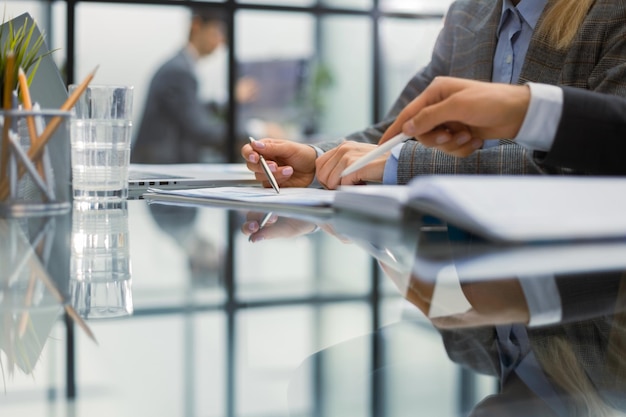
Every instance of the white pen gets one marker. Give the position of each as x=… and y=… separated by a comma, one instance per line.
x=267, y=171
x=266, y=219
x=268, y=216
x=374, y=153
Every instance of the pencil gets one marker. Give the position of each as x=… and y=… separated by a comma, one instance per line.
x=81, y=323
x=35, y=151
x=30, y=121
x=30, y=291
x=56, y=121
x=7, y=105
x=69, y=309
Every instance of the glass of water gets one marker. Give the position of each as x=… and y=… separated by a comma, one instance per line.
x=100, y=131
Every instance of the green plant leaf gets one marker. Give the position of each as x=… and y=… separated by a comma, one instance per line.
x=26, y=48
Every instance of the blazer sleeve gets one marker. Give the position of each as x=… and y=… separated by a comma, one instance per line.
x=506, y=159
x=589, y=295
x=591, y=135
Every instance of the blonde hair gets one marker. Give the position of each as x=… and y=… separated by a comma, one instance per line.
x=562, y=20
x=560, y=362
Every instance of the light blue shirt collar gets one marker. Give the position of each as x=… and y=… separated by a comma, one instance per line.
x=529, y=10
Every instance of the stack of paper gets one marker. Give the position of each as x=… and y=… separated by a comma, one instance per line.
x=309, y=200
x=504, y=208
x=501, y=208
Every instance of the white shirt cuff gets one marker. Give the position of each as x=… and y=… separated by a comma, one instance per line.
x=319, y=152
x=448, y=297
x=542, y=119
x=543, y=300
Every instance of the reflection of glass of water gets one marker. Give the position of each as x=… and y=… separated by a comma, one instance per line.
x=100, y=269
x=100, y=158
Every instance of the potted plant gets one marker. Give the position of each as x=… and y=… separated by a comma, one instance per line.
x=19, y=49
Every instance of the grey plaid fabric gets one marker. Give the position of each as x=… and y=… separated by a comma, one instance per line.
x=596, y=60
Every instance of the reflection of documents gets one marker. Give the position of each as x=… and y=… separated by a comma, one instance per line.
x=392, y=244
x=289, y=199
x=493, y=262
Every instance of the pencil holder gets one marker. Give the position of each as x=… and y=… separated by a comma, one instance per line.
x=35, y=173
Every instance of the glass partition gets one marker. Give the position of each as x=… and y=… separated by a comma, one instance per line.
x=37, y=9
x=345, y=104
x=416, y=6
x=130, y=53
x=290, y=3
x=127, y=52
x=276, y=50
x=406, y=47
x=349, y=4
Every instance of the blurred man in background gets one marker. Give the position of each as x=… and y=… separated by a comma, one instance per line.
x=177, y=127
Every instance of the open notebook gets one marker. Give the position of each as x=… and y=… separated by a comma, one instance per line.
x=502, y=208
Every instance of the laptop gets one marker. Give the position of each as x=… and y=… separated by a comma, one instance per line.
x=180, y=176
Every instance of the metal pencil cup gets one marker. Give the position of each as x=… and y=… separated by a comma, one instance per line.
x=35, y=174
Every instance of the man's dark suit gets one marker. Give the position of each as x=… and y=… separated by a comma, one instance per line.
x=175, y=124
x=592, y=133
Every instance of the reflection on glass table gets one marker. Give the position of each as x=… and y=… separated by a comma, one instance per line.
x=306, y=327
x=298, y=255
x=29, y=302
x=547, y=320
x=100, y=267
x=204, y=258
x=32, y=296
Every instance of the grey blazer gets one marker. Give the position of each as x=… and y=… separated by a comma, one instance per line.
x=175, y=124
x=596, y=60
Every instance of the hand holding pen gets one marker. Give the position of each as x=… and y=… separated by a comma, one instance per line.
x=255, y=223
x=267, y=226
x=266, y=170
x=295, y=162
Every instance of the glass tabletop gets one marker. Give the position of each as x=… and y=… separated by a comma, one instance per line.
x=164, y=310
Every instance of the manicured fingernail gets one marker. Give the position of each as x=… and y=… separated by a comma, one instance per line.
x=253, y=158
x=287, y=171
x=409, y=128
x=441, y=139
x=477, y=144
x=258, y=145
x=463, y=138
x=273, y=167
x=253, y=226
